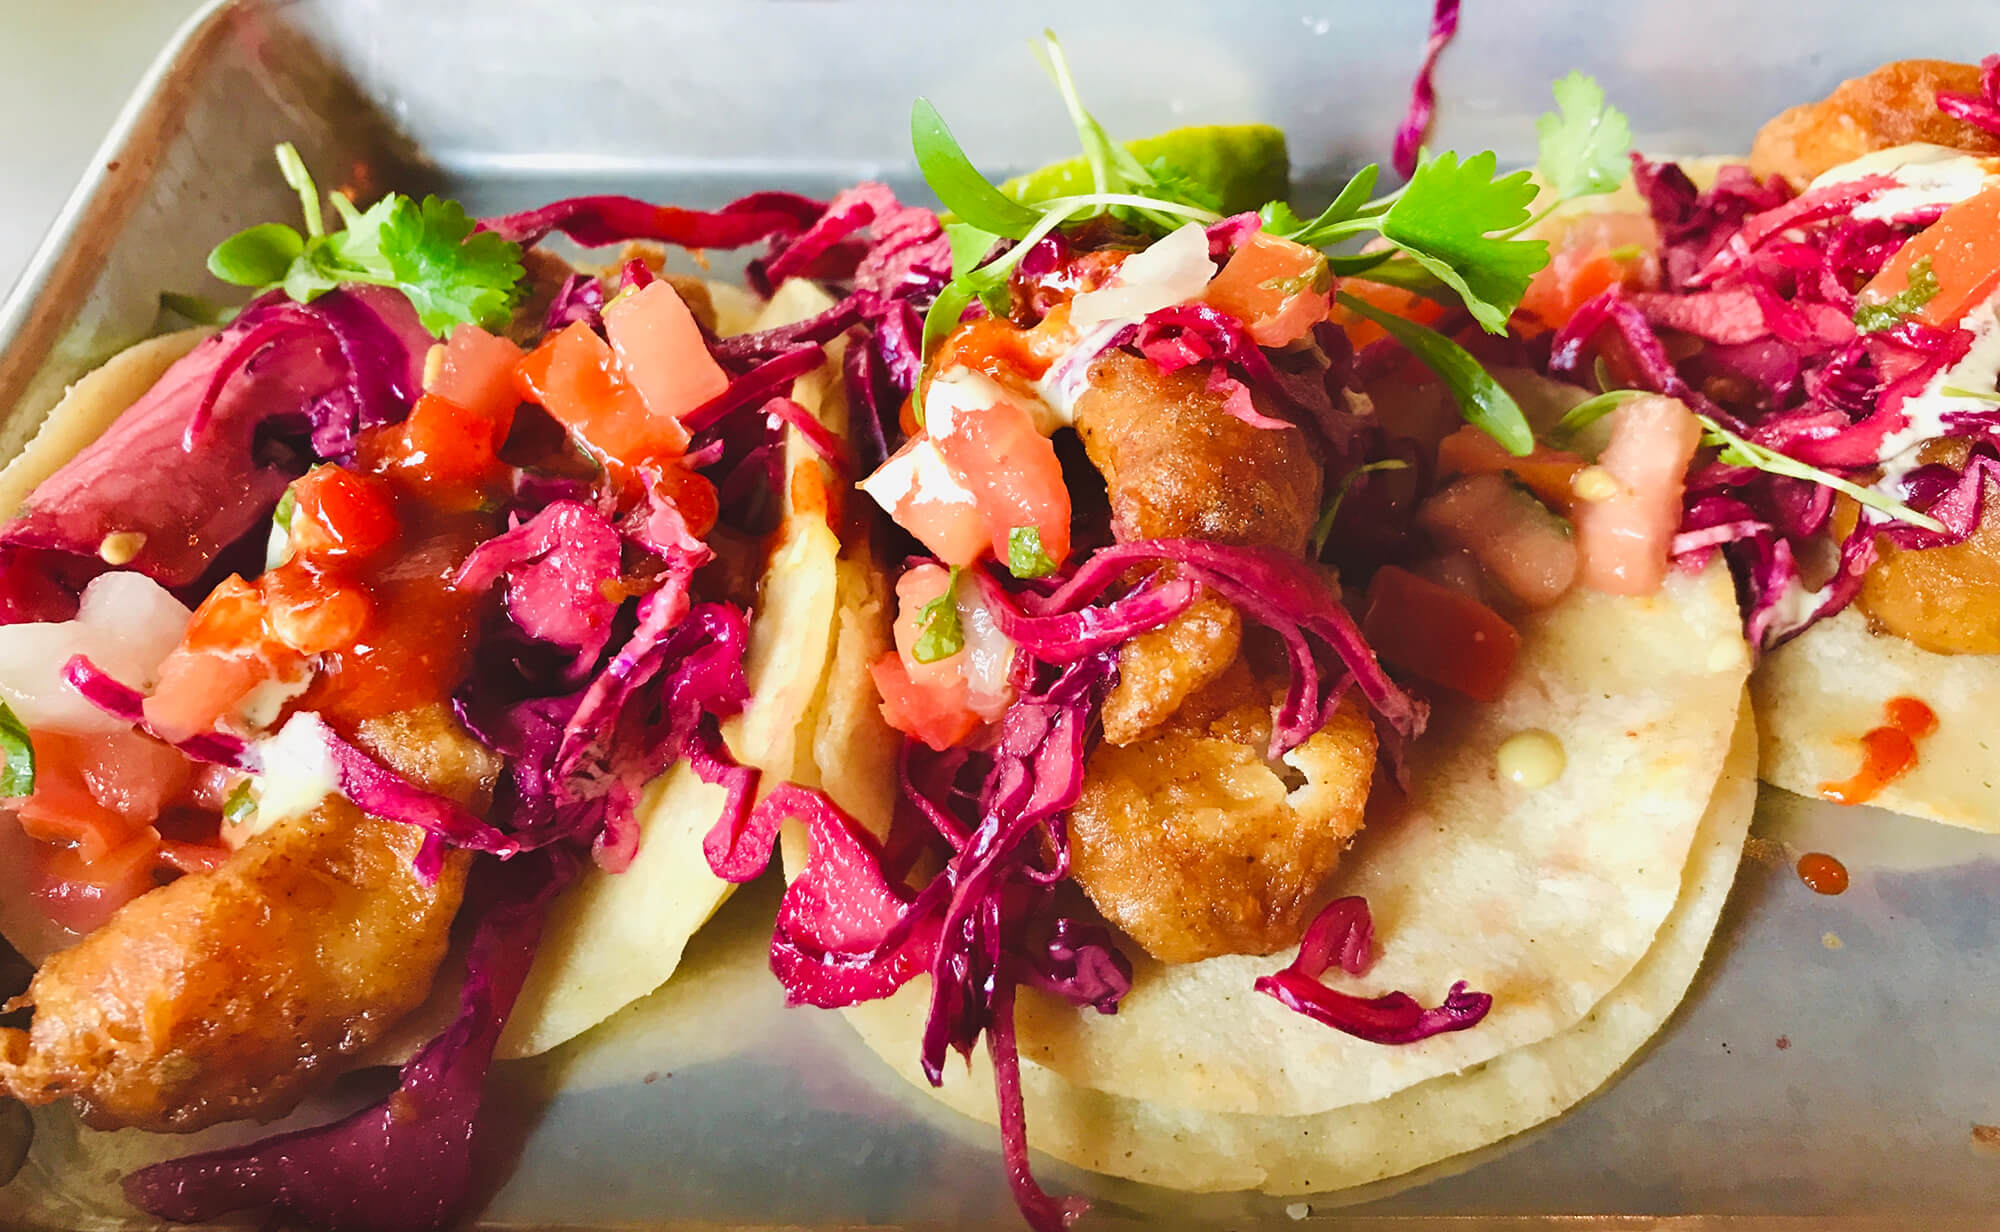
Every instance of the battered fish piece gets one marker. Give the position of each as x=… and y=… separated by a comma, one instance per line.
x=1945, y=600
x=1195, y=846
x=1177, y=465
x=1894, y=105
x=235, y=993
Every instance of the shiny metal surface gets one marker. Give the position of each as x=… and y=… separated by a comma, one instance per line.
x=709, y=1103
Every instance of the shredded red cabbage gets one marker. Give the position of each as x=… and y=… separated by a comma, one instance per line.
x=597, y=221
x=1981, y=110
x=407, y=1162
x=556, y=565
x=1423, y=95
x=119, y=700
x=580, y=298
x=1344, y=930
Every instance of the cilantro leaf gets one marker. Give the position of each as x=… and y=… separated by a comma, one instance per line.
x=1922, y=288
x=1482, y=401
x=1025, y=556
x=1583, y=143
x=939, y=636
x=1443, y=219
x=450, y=273
x=17, y=756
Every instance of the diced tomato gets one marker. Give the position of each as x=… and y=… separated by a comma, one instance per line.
x=1393, y=300
x=692, y=494
x=575, y=377
x=1546, y=472
x=63, y=809
x=1589, y=255
x=917, y=490
x=313, y=613
x=232, y=617
x=198, y=688
x=448, y=449
x=1519, y=543
x=1623, y=541
x=916, y=589
x=661, y=351
x=478, y=373
x=339, y=515
x=1439, y=634
x=1277, y=288
x=994, y=450
x=1963, y=247
x=918, y=712
x=80, y=894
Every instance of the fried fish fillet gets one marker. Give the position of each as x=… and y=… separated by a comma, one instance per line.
x=1894, y=105
x=1176, y=464
x=236, y=993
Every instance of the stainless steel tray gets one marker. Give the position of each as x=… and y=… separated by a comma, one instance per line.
x=1836, y=1054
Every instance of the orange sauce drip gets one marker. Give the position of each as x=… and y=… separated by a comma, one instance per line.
x=1887, y=752
x=1822, y=873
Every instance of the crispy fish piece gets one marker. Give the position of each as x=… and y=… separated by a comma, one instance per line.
x=1894, y=105
x=237, y=992
x=1195, y=845
x=1176, y=464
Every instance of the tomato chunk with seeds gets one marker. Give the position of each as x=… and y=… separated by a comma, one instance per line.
x=1277, y=288
x=576, y=378
x=1438, y=634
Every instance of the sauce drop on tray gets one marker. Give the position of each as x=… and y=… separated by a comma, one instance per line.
x=1887, y=751
x=1822, y=873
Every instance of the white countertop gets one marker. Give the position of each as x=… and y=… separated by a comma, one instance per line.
x=66, y=68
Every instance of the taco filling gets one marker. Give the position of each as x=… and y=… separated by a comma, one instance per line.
x=397, y=618
x=1216, y=678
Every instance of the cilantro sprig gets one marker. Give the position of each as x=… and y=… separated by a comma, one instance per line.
x=427, y=249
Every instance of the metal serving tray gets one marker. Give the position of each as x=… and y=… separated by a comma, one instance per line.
x=1836, y=1055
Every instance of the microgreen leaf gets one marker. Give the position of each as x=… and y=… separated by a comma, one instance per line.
x=1921, y=289
x=293, y=168
x=17, y=756
x=939, y=633
x=1953, y=391
x=1324, y=527
x=1738, y=452
x=1025, y=556
x=1482, y=401
x=1442, y=221
x=1583, y=143
x=256, y=256
x=943, y=316
x=1588, y=412
x=957, y=183
x=1280, y=219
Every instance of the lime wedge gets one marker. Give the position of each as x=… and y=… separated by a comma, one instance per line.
x=1241, y=166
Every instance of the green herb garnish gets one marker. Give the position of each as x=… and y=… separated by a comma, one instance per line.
x=428, y=250
x=1588, y=412
x=1583, y=143
x=1324, y=527
x=1922, y=289
x=241, y=804
x=1025, y=557
x=1953, y=391
x=1482, y=401
x=939, y=636
x=1738, y=452
x=17, y=756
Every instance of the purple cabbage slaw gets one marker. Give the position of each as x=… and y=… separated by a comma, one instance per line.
x=1423, y=94
x=1767, y=282
x=1981, y=110
x=1344, y=932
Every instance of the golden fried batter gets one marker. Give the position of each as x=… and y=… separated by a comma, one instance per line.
x=1894, y=105
x=236, y=993
x=1196, y=846
x=1176, y=464
x=1944, y=600
x=1158, y=669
